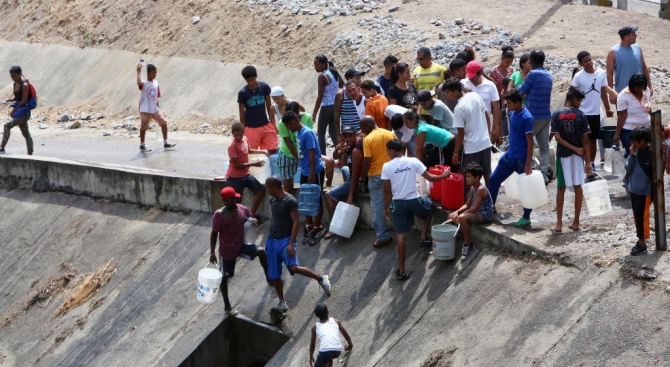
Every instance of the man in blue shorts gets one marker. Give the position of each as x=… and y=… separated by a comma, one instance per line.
x=399, y=179
x=228, y=227
x=281, y=243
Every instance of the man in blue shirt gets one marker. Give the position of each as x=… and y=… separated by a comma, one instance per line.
x=537, y=89
x=312, y=170
x=518, y=156
x=626, y=59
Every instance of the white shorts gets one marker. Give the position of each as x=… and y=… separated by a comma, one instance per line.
x=569, y=171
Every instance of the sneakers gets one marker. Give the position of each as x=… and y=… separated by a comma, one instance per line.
x=167, y=145
x=306, y=234
x=427, y=243
x=2, y=151
x=404, y=276
x=467, y=249
x=625, y=183
x=325, y=284
x=282, y=306
x=231, y=311
x=522, y=222
x=144, y=149
x=638, y=250
x=317, y=233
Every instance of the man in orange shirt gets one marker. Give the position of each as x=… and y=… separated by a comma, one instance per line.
x=375, y=104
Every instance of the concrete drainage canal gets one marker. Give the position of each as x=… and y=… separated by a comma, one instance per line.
x=237, y=342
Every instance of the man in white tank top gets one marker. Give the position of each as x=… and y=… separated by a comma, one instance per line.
x=328, y=330
x=149, y=108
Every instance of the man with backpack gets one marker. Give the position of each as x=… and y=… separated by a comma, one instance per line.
x=25, y=99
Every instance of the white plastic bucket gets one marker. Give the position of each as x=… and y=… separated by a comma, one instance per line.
x=344, y=219
x=534, y=191
x=260, y=173
x=597, y=197
x=209, y=281
x=511, y=187
x=444, y=240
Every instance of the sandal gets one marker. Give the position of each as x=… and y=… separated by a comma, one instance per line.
x=329, y=235
x=572, y=227
x=378, y=243
x=427, y=243
x=556, y=231
x=403, y=276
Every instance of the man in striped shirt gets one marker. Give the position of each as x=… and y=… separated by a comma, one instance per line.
x=537, y=89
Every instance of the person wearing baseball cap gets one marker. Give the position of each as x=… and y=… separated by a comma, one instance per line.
x=228, y=226
x=626, y=59
x=440, y=115
x=475, y=80
x=357, y=75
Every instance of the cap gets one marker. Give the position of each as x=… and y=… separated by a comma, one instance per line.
x=424, y=96
x=352, y=73
x=276, y=91
x=348, y=130
x=472, y=69
x=229, y=193
x=624, y=31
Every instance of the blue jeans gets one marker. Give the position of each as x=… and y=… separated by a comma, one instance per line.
x=624, y=137
x=377, y=201
x=506, y=166
x=346, y=173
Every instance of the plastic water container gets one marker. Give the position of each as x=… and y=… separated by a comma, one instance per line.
x=344, y=219
x=453, y=191
x=422, y=186
x=534, y=191
x=511, y=187
x=260, y=173
x=436, y=187
x=618, y=161
x=597, y=197
x=310, y=197
x=274, y=167
x=209, y=281
x=249, y=232
x=444, y=240
x=296, y=178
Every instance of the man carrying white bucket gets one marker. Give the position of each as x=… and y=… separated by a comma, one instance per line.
x=228, y=227
x=399, y=179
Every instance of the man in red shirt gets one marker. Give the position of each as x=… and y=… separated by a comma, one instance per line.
x=228, y=227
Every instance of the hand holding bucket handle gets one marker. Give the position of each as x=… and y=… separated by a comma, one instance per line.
x=213, y=265
x=458, y=226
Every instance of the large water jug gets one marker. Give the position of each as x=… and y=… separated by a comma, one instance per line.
x=310, y=197
x=260, y=173
x=422, y=186
x=618, y=161
x=532, y=190
x=436, y=187
x=274, y=167
x=597, y=197
x=453, y=191
x=344, y=219
x=511, y=188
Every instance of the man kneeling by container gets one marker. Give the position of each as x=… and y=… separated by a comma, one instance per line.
x=399, y=179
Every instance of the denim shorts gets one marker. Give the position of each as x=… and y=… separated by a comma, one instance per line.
x=227, y=267
x=403, y=212
x=341, y=192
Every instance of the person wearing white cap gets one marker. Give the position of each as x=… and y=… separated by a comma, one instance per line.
x=280, y=101
x=626, y=59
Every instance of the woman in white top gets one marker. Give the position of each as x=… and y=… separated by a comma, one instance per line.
x=280, y=101
x=633, y=106
x=328, y=330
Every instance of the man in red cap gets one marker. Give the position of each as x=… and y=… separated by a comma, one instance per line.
x=228, y=227
x=486, y=89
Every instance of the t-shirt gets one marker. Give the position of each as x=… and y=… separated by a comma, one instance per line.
x=239, y=150
x=486, y=89
x=428, y=78
x=385, y=84
x=402, y=173
x=517, y=78
x=521, y=123
x=637, y=112
x=434, y=134
x=470, y=114
x=571, y=124
x=231, y=231
x=149, y=97
x=404, y=98
x=350, y=153
x=375, y=107
x=443, y=114
x=591, y=85
x=254, y=104
x=391, y=110
x=281, y=224
x=284, y=132
x=537, y=88
x=307, y=141
x=374, y=147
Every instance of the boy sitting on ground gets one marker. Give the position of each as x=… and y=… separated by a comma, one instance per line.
x=477, y=209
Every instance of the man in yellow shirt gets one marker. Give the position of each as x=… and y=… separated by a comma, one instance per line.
x=374, y=157
x=427, y=75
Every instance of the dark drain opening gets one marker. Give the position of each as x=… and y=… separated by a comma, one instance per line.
x=237, y=342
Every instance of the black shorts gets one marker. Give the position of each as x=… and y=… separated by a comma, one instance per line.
x=247, y=182
x=594, y=125
x=483, y=158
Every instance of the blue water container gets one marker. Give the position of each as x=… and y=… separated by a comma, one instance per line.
x=274, y=167
x=296, y=178
x=310, y=197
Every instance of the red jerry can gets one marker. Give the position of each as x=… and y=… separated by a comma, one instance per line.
x=436, y=187
x=453, y=191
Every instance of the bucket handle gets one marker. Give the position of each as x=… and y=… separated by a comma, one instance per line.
x=212, y=266
x=458, y=227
